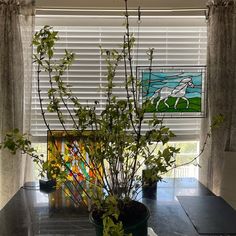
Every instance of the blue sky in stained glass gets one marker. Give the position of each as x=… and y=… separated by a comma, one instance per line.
x=159, y=80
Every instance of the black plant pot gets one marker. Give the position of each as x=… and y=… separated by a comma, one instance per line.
x=138, y=225
x=150, y=190
x=47, y=185
x=149, y=187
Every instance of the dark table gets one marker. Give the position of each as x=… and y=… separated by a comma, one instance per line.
x=33, y=213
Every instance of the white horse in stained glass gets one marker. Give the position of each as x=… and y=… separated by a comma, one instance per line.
x=177, y=92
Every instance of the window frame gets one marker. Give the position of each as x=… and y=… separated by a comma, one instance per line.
x=103, y=21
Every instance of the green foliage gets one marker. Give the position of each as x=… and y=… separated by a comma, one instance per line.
x=194, y=105
x=110, y=218
x=217, y=121
x=123, y=145
x=118, y=129
x=14, y=141
x=111, y=228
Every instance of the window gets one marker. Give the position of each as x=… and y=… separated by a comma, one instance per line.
x=177, y=41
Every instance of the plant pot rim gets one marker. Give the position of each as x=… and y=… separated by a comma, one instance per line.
x=91, y=219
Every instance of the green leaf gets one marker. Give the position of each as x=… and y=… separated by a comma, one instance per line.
x=50, y=53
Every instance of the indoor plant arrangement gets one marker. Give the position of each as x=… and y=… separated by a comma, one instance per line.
x=114, y=139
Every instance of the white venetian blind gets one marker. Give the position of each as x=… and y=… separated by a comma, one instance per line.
x=176, y=41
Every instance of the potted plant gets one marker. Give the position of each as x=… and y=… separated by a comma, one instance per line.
x=152, y=173
x=113, y=139
x=149, y=182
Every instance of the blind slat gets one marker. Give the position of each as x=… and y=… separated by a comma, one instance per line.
x=173, y=46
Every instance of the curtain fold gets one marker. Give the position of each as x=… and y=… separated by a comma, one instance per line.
x=221, y=58
x=16, y=30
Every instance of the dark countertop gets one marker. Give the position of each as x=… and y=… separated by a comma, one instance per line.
x=34, y=213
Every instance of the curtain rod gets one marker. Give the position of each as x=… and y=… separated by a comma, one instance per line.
x=120, y=10
x=116, y=12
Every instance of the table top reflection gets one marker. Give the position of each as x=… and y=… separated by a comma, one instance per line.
x=32, y=212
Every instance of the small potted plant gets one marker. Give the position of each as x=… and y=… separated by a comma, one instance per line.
x=114, y=139
x=149, y=182
x=154, y=170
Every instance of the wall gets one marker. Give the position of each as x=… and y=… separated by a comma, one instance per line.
x=228, y=190
x=118, y=4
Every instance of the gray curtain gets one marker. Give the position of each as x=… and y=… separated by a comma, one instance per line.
x=16, y=30
x=221, y=58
